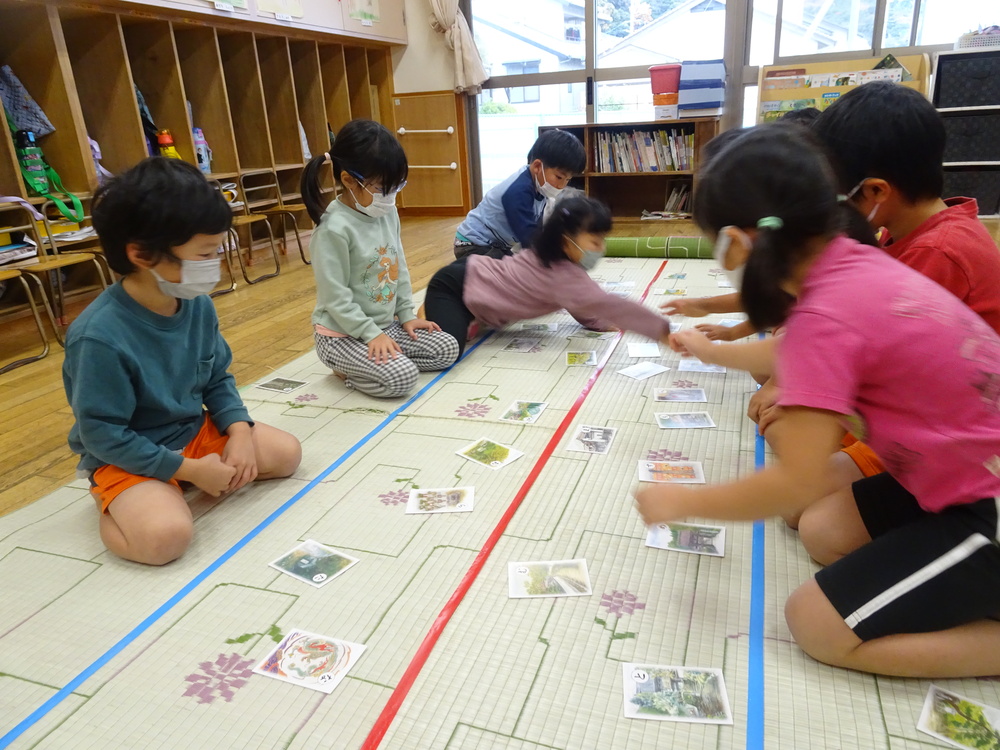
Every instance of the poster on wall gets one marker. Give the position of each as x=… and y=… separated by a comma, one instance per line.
x=363, y=10
x=241, y=4
x=281, y=7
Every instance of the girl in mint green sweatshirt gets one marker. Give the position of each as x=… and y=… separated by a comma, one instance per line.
x=364, y=323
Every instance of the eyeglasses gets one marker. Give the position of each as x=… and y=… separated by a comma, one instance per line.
x=378, y=188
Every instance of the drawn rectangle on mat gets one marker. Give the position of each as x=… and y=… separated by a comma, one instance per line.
x=33, y=580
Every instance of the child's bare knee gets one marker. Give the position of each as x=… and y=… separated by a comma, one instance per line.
x=165, y=542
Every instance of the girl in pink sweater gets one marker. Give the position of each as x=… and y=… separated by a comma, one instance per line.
x=549, y=277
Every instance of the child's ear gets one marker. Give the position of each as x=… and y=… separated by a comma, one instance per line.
x=877, y=190
x=139, y=257
x=740, y=245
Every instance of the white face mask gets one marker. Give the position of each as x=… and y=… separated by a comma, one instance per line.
x=380, y=205
x=197, y=277
x=589, y=259
x=551, y=192
x=722, y=243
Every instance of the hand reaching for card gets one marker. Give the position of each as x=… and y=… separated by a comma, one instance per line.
x=662, y=503
x=694, y=343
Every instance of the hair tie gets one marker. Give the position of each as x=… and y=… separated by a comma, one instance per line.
x=770, y=222
x=565, y=211
x=327, y=158
x=841, y=198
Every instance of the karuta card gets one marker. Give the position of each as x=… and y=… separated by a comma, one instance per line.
x=643, y=370
x=690, y=395
x=643, y=349
x=684, y=420
x=528, y=580
x=539, y=326
x=696, y=365
x=676, y=276
x=959, y=721
x=592, y=439
x=581, y=359
x=526, y=412
x=447, y=500
x=489, y=454
x=281, y=385
x=730, y=322
x=599, y=335
x=311, y=661
x=671, y=472
x=314, y=563
x=723, y=282
x=686, y=694
x=524, y=346
x=685, y=537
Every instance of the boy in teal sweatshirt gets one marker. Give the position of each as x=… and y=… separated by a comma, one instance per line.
x=146, y=367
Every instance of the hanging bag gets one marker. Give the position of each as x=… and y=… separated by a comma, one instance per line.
x=40, y=178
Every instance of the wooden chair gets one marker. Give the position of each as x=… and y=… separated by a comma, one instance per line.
x=269, y=201
x=245, y=218
x=9, y=274
x=49, y=263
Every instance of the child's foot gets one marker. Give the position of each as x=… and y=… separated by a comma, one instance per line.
x=341, y=375
x=473, y=330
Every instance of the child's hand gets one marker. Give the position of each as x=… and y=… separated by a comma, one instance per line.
x=419, y=324
x=765, y=397
x=382, y=348
x=694, y=343
x=661, y=504
x=716, y=333
x=693, y=307
x=241, y=455
x=209, y=474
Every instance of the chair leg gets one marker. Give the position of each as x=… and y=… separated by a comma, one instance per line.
x=232, y=274
x=38, y=324
x=298, y=239
x=274, y=254
x=47, y=307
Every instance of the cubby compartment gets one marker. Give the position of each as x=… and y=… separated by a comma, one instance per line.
x=246, y=99
x=358, y=82
x=10, y=174
x=981, y=183
x=379, y=73
x=32, y=43
x=336, y=96
x=972, y=136
x=205, y=86
x=279, y=101
x=309, y=95
x=104, y=83
x=156, y=72
x=967, y=79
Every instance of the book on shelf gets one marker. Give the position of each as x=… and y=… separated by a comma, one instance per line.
x=661, y=150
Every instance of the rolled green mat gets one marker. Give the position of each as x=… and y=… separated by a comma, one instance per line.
x=658, y=247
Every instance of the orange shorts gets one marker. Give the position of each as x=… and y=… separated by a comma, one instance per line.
x=865, y=458
x=109, y=481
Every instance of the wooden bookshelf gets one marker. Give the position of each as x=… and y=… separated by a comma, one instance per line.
x=629, y=193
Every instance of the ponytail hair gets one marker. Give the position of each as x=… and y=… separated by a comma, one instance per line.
x=362, y=147
x=776, y=180
x=570, y=216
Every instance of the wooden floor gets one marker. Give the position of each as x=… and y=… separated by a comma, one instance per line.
x=266, y=326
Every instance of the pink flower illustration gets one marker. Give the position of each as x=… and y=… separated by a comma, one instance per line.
x=222, y=677
x=621, y=603
x=685, y=384
x=665, y=455
x=307, y=397
x=394, y=497
x=473, y=410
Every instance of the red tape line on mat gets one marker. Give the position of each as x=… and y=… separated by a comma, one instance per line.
x=385, y=719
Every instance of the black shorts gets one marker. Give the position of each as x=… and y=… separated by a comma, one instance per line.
x=922, y=572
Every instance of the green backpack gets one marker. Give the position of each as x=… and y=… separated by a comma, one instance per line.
x=39, y=176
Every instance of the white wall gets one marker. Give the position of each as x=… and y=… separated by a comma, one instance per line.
x=425, y=63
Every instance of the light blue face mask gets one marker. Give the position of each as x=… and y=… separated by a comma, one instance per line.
x=590, y=258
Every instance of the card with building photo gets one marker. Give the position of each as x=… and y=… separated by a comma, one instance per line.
x=663, y=693
x=526, y=412
x=689, y=395
x=446, y=500
x=683, y=420
x=686, y=537
x=592, y=439
x=281, y=385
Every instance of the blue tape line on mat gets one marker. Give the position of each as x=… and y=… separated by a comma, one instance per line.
x=755, y=661
x=139, y=629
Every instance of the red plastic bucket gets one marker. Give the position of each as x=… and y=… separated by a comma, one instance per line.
x=665, y=79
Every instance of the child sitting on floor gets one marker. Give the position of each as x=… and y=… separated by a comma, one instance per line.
x=511, y=212
x=146, y=367
x=365, y=327
x=549, y=277
x=913, y=565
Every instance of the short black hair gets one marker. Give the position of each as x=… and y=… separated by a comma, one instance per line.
x=889, y=131
x=559, y=149
x=774, y=171
x=362, y=147
x=805, y=116
x=158, y=204
x=570, y=216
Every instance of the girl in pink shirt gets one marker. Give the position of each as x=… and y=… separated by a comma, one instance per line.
x=549, y=277
x=912, y=583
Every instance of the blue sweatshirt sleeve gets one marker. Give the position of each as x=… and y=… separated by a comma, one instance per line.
x=519, y=207
x=220, y=396
x=103, y=401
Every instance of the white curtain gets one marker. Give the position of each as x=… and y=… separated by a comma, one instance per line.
x=447, y=19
